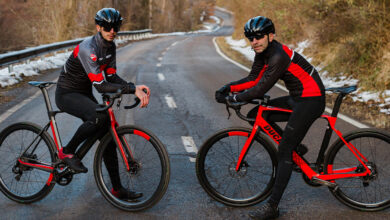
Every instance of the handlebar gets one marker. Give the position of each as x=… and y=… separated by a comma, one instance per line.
x=236, y=106
x=111, y=97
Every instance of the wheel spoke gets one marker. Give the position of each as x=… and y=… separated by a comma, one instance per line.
x=216, y=170
x=369, y=192
x=32, y=183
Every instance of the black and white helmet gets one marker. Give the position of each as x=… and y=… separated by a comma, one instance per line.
x=108, y=18
x=258, y=26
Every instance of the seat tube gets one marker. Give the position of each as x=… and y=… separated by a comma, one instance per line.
x=53, y=123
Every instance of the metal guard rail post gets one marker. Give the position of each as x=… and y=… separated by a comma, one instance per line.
x=26, y=54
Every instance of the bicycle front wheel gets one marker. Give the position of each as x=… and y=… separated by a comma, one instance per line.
x=149, y=169
x=216, y=162
x=368, y=193
x=18, y=182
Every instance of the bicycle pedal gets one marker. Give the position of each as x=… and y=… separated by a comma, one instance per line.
x=325, y=183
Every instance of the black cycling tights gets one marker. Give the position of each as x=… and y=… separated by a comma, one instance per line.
x=305, y=112
x=84, y=106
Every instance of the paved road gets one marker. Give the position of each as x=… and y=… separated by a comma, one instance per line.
x=183, y=72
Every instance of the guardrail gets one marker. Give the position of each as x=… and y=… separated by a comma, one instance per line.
x=26, y=54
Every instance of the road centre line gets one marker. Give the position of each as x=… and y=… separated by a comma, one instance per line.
x=341, y=116
x=189, y=146
x=160, y=58
x=171, y=103
x=161, y=76
x=158, y=64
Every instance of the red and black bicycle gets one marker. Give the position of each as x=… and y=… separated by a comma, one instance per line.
x=30, y=167
x=237, y=166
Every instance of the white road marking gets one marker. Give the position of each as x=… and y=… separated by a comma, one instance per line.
x=190, y=146
x=160, y=58
x=161, y=76
x=341, y=116
x=158, y=64
x=174, y=44
x=12, y=110
x=171, y=103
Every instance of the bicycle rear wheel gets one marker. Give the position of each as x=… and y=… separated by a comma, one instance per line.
x=18, y=182
x=149, y=172
x=369, y=193
x=216, y=162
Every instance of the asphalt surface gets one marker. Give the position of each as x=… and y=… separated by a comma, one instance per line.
x=183, y=72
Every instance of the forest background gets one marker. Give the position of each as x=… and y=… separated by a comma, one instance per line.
x=26, y=23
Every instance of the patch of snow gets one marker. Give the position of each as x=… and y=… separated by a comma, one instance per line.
x=33, y=68
x=241, y=46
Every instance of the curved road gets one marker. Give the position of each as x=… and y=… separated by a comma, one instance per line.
x=183, y=72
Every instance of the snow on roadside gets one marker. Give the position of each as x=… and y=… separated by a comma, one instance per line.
x=33, y=68
x=361, y=96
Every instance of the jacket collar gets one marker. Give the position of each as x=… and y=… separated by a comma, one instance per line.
x=101, y=41
x=270, y=49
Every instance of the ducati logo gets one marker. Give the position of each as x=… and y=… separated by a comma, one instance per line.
x=93, y=57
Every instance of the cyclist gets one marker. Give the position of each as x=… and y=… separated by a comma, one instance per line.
x=274, y=61
x=84, y=69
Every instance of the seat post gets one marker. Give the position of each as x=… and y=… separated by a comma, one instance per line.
x=52, y=119
x=337, y=104
x=47, y=100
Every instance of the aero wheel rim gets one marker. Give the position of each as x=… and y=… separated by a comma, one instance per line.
x=370, y=191
x=145, y=174
x=19, y=180
x=247, y=184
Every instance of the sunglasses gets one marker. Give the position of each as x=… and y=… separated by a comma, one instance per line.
x=108, y=27
x=258, y=37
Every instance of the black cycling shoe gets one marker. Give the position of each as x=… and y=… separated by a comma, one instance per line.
x=265, y=212
x=75, y=164
x=302, y=149
x=125, y=194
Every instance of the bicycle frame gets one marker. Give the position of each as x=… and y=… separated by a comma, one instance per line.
x=260, y=122
x=85, y=147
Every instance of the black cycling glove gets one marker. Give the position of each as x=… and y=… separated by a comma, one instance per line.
x=220, y=94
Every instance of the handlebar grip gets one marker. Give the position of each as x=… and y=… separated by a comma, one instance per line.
x=137, y=101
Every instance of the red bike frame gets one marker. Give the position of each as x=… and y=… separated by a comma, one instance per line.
x=85, y=147
x=298, y=160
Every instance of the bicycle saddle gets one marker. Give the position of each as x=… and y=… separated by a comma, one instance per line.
x=41, y=84
x=344, y=90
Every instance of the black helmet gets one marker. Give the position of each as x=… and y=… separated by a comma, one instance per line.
x=108, y=18
x=257, y=26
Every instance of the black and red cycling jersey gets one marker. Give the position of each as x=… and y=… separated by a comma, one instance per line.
x=279, y=62
x=86, y=65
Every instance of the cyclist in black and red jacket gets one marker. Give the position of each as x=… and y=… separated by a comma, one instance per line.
x=274, y=61
x=85, y=67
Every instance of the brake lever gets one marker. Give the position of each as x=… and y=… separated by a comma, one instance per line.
x=118, y=103
x=227, y=109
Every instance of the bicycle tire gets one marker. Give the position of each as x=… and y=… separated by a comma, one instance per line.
x=154, y=171
x=363, y=193
x=13, y=141
x=261, y=156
